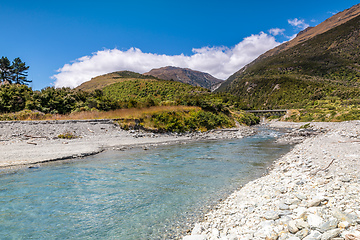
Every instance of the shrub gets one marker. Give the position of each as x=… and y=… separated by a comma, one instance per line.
x=181, y=121
x=67, y=135
x=245, y=118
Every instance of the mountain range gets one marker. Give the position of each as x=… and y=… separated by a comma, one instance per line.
x=182, y=75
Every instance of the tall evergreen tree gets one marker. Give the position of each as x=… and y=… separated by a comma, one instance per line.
x=19, y=72
x=5, y=70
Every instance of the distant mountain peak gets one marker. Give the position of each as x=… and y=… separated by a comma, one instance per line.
x=186, y=75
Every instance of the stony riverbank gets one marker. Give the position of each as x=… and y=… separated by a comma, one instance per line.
x=32, y=142
x=311, y=193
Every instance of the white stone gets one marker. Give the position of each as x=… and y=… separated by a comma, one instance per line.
x=299, y=211
x=215, y=232
x=264, y=232
x=314, y=235
x=292, y=227
x=194, y=237
x=314, y=221
x=301, y=224
x=330, y=234
x=197, y=229
x=344, y=224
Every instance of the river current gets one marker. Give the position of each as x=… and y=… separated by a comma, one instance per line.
x=135, y=194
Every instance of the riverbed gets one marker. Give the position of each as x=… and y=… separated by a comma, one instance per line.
x=157, y=193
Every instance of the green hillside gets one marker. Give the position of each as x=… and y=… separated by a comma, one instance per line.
x=160, y=90
x=324, y=70
x=102, y=81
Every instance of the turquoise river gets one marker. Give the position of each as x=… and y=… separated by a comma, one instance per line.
x=134, y=194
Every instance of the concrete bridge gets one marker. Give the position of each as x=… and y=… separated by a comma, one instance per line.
x=268, y=113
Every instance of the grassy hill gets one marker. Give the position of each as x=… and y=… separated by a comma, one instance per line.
x=320, y=73
x=143, y=89
x=102, y=81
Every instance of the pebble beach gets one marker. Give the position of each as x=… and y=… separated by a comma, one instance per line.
x=313, y=192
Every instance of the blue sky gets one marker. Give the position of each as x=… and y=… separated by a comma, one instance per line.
x=68, y=42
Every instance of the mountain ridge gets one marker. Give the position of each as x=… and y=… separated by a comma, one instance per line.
x=186, y=75
x=303, y=36
x=325, y=67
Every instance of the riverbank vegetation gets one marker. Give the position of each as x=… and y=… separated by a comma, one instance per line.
x=334, y=110
x=158, y=106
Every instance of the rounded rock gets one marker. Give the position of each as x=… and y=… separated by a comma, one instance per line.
x=292, y=227
x=330, y=234
x=344, y=225
x=314, y=221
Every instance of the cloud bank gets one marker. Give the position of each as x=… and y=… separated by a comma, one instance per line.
x=220, y=62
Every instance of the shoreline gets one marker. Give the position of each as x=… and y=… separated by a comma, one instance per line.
x=310, y=193
x=27, y=143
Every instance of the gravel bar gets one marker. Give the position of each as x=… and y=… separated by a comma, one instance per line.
x=313, y=192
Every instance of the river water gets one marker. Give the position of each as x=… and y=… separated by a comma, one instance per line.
x=136, y=194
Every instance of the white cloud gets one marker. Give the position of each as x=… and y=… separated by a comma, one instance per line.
x=298, y=23
x=276, y=31
x=220, y=62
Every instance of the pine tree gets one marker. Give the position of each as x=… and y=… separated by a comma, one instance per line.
x=19, y=72
x=5, y=70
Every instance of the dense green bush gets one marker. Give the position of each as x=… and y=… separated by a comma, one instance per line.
x=248, y=119
x=140, y=90
x=189, y=121
x=14, y=98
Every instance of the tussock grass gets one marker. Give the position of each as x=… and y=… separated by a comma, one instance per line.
x=157, y=118
x=130, y=113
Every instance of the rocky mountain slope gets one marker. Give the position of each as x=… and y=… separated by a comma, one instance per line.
x=318, y=65
x=186, y=75
x=308, y=33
